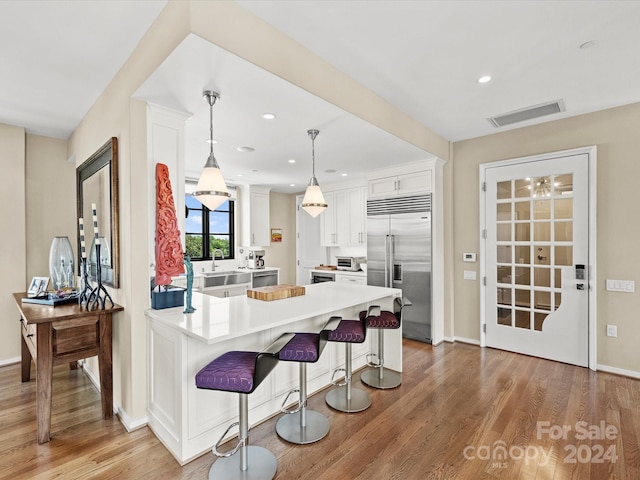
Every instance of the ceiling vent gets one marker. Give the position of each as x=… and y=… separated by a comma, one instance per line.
x=527, y=113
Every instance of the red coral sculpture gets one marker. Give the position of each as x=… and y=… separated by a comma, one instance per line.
x=169, y=256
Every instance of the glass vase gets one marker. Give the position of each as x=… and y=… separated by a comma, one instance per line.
x=61, y=264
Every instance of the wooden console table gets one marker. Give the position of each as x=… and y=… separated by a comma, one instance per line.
x=64, y=334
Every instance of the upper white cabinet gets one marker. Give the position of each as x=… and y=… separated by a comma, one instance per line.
x=358, y=216
x=254, y=215
x=334, y=229
x=402, y=184
x=343, y=222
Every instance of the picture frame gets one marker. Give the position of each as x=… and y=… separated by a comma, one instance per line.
x=276, y=235
x=38, y=286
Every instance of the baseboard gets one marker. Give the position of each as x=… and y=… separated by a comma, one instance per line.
x=9, y=361
x=129, y=424
x=618, y=371
x=470, y=341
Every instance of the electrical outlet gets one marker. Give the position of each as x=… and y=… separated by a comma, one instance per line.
x=469, y=275
x=612, y=331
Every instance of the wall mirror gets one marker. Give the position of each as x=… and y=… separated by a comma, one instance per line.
x=97, y=182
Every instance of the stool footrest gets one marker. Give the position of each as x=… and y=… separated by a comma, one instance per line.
x=333, y=378
x=241, y=443
x=374, y=361
x=300, y=403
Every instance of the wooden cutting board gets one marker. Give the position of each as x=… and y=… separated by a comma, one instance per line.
x=275, y=292
x=326, y=267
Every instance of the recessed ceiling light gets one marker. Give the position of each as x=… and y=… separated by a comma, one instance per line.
x=588, y=44
x=292, y=184
x=245, y=149
x=291, y=160
x=344, y=174
x=240, y=175
x=255, y=170
x=484, y=79
x=268, y=116
x=331, y=170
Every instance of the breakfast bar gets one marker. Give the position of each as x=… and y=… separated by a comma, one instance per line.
x=189, y=421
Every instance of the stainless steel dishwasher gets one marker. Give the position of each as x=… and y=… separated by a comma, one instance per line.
x=264, y=278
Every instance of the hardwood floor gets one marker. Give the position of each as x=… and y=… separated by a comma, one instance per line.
x=462, y=412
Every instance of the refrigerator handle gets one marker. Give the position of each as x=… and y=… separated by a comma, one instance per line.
x=391, y=265
x=386, y=260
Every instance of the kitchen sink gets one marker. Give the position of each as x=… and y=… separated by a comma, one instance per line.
x=220, y=279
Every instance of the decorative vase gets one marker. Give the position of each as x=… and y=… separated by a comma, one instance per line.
x=61, y=263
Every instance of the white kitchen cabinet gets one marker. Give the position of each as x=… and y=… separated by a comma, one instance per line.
x=334, y=228
x=344, y=220
x=227, y=291
x=352, y=278
x=357, y=216
x=405, y=184
x=254, y=216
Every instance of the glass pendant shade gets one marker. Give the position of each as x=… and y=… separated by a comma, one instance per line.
x=61, y=263
x=313, y=202
x=211, y=190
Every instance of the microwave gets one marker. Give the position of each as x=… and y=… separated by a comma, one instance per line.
x=351, y=264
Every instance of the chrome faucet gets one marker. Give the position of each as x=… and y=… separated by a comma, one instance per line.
x=213, y=262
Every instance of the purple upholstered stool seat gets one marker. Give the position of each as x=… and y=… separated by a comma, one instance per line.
x=348, y=331
x=231, y=372
x=303, y=347
x=386, y=319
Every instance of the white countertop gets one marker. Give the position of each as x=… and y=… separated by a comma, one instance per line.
x=219, y=319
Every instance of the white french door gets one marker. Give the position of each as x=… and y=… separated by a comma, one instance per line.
x=537, y=258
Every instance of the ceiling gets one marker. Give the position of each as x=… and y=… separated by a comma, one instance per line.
x=422, y=56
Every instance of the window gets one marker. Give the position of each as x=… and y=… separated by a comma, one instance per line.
x=207, y=230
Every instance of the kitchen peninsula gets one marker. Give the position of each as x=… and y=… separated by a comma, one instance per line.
x=189, y=421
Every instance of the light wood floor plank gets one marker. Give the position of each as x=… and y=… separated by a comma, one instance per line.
x=454, y=398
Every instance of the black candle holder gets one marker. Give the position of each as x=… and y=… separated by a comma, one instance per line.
x=85, y=293
x=99, y=294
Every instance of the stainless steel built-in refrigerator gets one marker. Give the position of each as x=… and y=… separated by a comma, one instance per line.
x=399, y=256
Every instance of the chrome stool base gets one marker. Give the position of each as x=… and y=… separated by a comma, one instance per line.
x=262, y=465
x=289, y=427
x=337, y=399
x=390, y=379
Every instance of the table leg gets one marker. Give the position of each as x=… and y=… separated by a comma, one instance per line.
x=105, y=364
x=44, y=374
x=25, y=360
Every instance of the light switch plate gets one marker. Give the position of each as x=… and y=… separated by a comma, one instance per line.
x=627, y=286
x=469, y=275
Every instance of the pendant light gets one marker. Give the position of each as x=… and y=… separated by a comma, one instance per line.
x=211, y=190
x=313, y=202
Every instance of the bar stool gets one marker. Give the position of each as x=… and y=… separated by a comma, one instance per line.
x=345, y=398
x=302, y=426
x=241, y=372
x=378, y=376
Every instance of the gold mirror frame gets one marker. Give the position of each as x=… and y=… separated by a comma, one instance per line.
x=97, y=182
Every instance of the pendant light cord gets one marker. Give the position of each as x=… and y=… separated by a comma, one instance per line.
x=313, y=134
x=211, y=99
